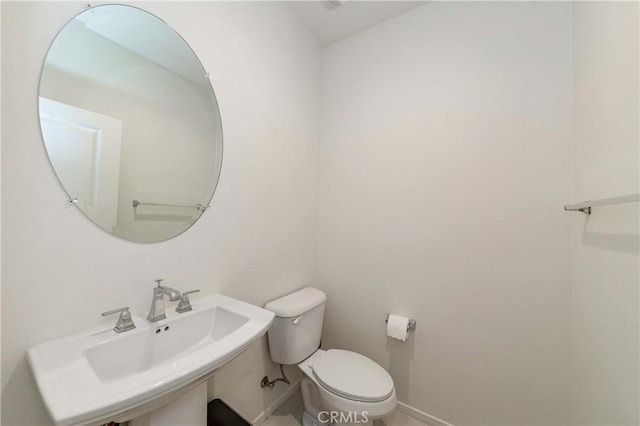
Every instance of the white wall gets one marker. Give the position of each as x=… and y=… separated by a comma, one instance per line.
x=445, y=163
x=605, y=245
x=257, y=241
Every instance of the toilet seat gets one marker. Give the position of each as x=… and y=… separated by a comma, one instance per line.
x=352, y=376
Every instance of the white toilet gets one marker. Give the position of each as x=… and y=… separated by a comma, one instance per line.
x=339, y=387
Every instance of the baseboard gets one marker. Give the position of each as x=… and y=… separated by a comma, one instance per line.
x=421, y=415
x=276, y=403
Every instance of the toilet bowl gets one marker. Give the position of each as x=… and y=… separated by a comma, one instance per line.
x=339, y=386
x=346, y=387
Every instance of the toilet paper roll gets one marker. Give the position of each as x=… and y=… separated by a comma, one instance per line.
x=397, y=327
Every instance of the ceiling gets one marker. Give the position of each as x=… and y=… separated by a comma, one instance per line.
x=331, y=24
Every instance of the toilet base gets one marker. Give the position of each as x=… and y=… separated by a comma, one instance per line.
x=309, y=420
x=315, y=414
x=311, y=401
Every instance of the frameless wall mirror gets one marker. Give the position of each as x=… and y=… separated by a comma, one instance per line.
x=131, y=123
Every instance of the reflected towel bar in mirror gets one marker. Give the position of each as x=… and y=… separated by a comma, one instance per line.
x=200, y=207
x=587, y=205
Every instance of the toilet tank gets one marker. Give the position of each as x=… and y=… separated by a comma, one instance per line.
x=296, y=329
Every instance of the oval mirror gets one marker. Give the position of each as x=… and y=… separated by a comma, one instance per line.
x=130, y=123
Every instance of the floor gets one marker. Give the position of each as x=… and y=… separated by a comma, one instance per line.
x=290, y=414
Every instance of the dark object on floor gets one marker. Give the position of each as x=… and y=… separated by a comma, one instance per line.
x=219, y=414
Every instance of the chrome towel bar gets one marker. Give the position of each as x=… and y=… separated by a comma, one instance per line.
x=201, y=207
x=587, y=205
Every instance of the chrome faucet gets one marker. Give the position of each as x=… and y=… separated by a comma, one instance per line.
x=157, y=313
x=185, y=303
x=124, y=320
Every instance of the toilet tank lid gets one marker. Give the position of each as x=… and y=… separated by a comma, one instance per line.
x=297, y=303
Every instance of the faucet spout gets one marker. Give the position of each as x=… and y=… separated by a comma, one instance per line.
x=172, y=293
x=157, y=311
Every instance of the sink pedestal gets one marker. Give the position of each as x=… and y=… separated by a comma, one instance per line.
x=188, y=409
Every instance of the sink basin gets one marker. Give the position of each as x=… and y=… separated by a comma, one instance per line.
x=98, y=375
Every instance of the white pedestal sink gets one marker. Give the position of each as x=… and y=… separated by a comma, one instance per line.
x=150, y=373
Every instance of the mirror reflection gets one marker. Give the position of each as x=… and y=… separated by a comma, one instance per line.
x=131, y=123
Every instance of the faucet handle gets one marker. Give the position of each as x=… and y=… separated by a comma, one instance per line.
x=124, y=320
x=185, y=305
x=159, y=281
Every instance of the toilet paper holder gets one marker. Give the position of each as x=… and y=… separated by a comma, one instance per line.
x=410, y=327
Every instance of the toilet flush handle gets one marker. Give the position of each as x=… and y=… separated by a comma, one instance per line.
x=296, y=320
